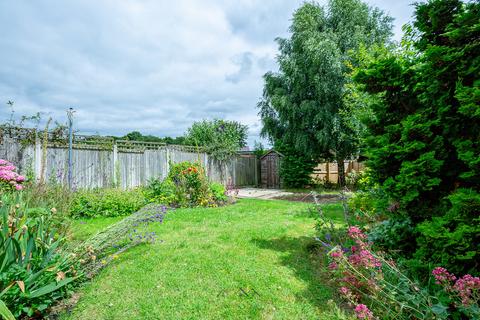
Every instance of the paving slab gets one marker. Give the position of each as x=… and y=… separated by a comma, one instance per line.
x=259, y=193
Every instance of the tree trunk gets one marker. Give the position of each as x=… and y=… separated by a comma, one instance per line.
x=341, y=172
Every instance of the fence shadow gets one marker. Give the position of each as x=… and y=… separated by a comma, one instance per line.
x=301, y=256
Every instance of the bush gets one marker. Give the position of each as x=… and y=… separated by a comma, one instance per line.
x=107, y=202
x=422, y=142
x=376, y=288
x=296, y=170
x=219, y=192
x=164, y=192
x=452, y=240
x=33, y=271
x=186, y=185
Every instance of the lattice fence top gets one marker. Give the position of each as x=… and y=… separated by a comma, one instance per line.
x=59, y=139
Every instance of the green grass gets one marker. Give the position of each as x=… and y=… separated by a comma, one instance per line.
x=84, y=228
x=250, y=260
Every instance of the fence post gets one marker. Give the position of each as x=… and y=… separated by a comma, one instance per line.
x=328, y=172
x=115, y=164
x=167, y=158
x=37, y=158
x=205, y=163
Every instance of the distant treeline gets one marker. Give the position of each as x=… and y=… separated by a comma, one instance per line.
x=137, y=136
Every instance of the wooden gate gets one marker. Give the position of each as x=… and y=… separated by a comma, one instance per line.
x=270, y=166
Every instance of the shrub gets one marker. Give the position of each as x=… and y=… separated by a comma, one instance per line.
x=9, y=179
x=107, y=202
x=186, y=185
x=219, y=192
x=34, y=273
x=423, y=138
x=452, y=240
x=375, y=287
x=48, y=195
x=161, y=192
x=296, y=169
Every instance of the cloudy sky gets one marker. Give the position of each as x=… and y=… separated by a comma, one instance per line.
x=149, y=65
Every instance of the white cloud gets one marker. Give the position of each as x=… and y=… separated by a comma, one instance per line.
x=152, y=66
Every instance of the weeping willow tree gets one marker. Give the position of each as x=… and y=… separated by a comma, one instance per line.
x=303, y=103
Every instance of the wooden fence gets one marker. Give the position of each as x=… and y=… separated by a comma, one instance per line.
x=125, y=164
x=328, y=171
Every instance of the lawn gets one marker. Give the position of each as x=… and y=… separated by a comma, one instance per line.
x=250, y=260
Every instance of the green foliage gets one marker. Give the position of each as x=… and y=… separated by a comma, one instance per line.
x=296, y=169
x=303, y=103
x=220, y=138
x=259, y=149
x=423, y=139
x=452, y=240
x=107, y=202
x=159, y=191
x=49, y=199
x=218, y=191
x=33, y=271
x=186, y=185
x=137, y=136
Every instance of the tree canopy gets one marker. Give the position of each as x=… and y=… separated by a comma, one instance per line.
x=137, y=136
x=302, y=102
x=221, y=138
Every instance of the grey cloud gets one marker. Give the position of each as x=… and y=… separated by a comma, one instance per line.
x=152, y=66
x=245, y=62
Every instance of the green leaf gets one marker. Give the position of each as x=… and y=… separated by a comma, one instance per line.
x=5, y=312
x=440, y=310
x=50, y=288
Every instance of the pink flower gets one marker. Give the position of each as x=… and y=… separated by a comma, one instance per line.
x=18, y=187
x=20, y=178
x=345, y=291
x=354, y=232
x=336, y=254
x=333, y=266
x=364, y=258
x=442, y=276
x=466, y=288
x=4, y=162
x=362, y=312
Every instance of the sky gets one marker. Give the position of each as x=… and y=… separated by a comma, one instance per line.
x=153, y=66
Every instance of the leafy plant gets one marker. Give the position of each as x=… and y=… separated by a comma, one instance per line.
x=186, y=185
x=159, y=191
x=34, y=273
x=219, y=192
x=107, y=202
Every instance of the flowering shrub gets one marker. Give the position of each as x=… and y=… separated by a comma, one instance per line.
x=9, y=179
x=186, y=185
x=375, y=288
x=463, y=293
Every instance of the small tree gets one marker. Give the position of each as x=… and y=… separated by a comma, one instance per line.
x=220, y=138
